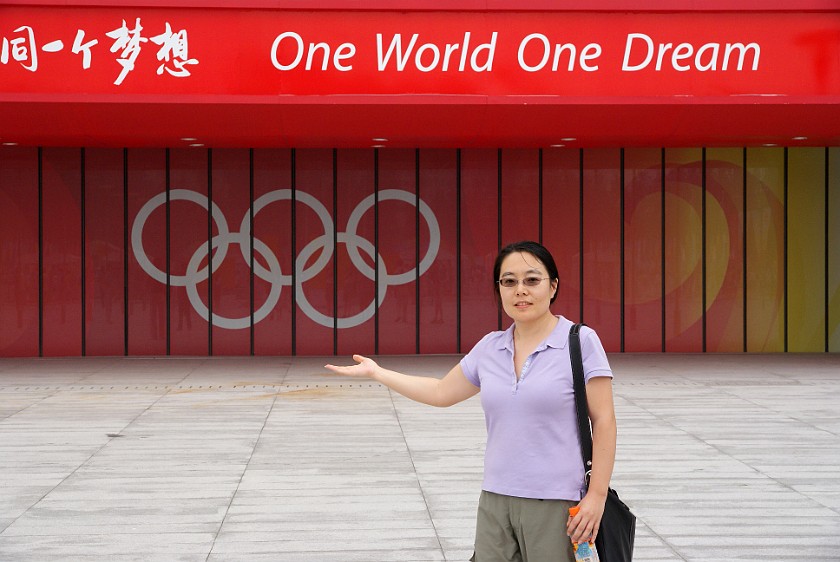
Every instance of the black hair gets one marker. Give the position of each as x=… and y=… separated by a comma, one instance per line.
x=535, y=249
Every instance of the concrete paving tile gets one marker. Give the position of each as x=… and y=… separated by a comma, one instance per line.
x=133, y=557
x=76, y=528
x=324, y=543
x=648, y=546
x=458, y=554
x=350, y=535
x=734, y=528
x=733, y=549
x=108, y=543
x=340, y=555
x=656, y=554
x=284, y=524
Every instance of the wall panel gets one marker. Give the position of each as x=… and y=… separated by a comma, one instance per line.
x=479, y=244
x=438, y=188
x=147, y=264
x=273, y=251
x=561, y=225
x=19, y=269
x=765, y=285
x=683, y=250
x=806, y=250
x=231, y=280
x=356, y=253
x=398, y=226
x=520, y=206
x=190, y=231
x=314, y=269
x=62, y=251
x=602, y=245
x=833, y=250
x=643, y=255
x=104, y=252
x=725, y=249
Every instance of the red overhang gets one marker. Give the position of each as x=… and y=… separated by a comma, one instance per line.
x=265, y=74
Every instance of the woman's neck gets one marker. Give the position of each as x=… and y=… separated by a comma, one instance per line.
x=537, y=329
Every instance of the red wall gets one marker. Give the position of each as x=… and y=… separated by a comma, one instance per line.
x=105, y=251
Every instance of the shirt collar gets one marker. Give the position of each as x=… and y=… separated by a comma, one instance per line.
x=558, y=338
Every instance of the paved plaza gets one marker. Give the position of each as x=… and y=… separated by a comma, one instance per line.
x=722, y=457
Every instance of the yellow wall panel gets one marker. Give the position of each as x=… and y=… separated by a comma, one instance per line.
x=834, y=249
x=765, y=250
x=806, y=249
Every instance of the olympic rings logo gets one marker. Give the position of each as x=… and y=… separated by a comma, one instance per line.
x=273, y=275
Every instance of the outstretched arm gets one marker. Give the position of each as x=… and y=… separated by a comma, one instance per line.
x=449, y=390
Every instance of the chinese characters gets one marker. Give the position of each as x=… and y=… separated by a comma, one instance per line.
x=173, y=49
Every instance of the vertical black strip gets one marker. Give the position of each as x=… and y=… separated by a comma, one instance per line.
x=827, y=253
x=125, y=251
x=580, y=232
x=40, y=252
x=168, y=255
x=251, y=240
x=703, y=243
x=335, y=251
x=499, y=224
x=744, y=257
x=84, y=251
x=662, y=248
x=458, y=249
x=293, y=157
x=209, y=252
x=621, y=251
x=540, y=195
x=376, y=250
x=416, y=251
x=785, y=261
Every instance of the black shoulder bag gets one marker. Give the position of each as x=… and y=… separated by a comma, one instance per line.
x=618, y=525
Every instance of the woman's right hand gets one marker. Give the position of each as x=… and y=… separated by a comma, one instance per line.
x=364, y=367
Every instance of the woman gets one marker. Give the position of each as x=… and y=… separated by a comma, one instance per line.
x=533, y=472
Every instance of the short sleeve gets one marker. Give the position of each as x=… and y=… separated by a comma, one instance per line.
x=595, y=363
x=469, y=363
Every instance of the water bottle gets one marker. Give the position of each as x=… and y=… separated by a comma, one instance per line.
x=585, y=551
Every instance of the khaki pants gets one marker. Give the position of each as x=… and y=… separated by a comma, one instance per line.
x=512, y=529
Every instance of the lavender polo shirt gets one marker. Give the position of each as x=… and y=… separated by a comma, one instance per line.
x=533, y=448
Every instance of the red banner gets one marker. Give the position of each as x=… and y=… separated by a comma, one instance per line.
x=276, y=53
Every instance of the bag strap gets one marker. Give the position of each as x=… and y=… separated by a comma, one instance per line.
x=584, y=428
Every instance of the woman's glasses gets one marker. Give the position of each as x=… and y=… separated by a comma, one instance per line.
x=511, y=282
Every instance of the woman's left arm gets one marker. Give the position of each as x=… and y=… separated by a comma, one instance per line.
x=599, y=398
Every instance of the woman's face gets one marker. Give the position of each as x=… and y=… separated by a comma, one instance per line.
x=528, y=299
